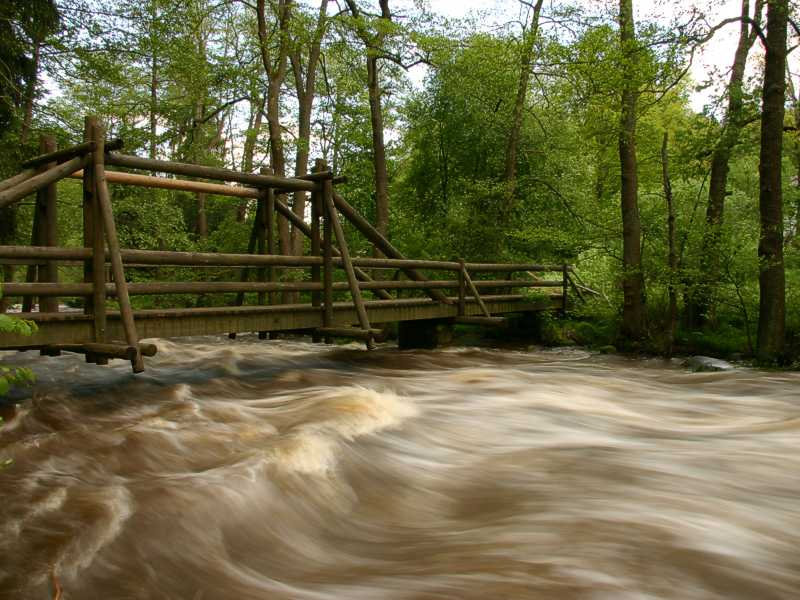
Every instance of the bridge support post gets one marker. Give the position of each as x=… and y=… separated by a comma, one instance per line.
x=266, y=241
x=327, y=270
x=425, y=334
x=107, y=213
x=316, y=211
x=94, y=269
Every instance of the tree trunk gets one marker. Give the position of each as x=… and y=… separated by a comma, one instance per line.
x=30, y=94
x=248, y=152
x=153, y=107
x=202, y=217
x=305, y=85
x=528, y=43
x=632, y=278
x=373, y=45
x=772, y=283
x=672, y=258
x=793, y=236
x=702, y=305
x=276, y=73
x=378, y=147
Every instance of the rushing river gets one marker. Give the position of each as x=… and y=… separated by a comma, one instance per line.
x=254, y=470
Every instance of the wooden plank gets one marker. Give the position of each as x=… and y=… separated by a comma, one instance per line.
x=113, y=248
x=163, y=166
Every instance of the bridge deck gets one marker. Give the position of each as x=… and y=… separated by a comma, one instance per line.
x=77, y=328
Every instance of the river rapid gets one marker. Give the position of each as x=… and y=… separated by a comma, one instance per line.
x=280, y=469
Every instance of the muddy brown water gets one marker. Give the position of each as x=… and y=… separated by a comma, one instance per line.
x=254, y=470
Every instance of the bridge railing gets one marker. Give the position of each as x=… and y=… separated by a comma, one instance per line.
x=258, y=271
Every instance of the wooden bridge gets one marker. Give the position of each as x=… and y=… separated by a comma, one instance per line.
x=108, y=327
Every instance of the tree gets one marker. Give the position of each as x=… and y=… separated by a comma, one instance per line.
x=275, y=60
x=526, y=57
x=772, y=279
x=734, y=121
x=632, y=277
x=304, y=58
x=373, y=43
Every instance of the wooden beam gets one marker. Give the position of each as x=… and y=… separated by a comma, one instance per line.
x=166, y=183
x=163, y=166
x=476, y=294
x=55, y=156
x=113, y=248
x=37, y=182
x=17, y=179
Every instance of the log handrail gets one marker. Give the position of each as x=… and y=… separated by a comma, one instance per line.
x=41, y=180
x=226, y=287
x=203, y=172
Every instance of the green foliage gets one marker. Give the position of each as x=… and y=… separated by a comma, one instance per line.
x=15, y=376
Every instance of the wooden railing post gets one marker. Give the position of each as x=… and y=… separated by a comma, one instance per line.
x=264, y=274
x=269, y=223
x=327, y=266
x=94, y=269
x=564, y=287
x=316, y=210
x=104, y=200
x=462, y=288
x=355, y=291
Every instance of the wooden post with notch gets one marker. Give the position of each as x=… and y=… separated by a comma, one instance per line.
x=104, y=200
x=316, y=211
